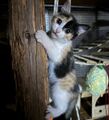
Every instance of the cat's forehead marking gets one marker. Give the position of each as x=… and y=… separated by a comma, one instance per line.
x=67, y=19
x=64, y=18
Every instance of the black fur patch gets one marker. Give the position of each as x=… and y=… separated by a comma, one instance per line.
x=65, y=66
x=73, y=26
x=62, y=117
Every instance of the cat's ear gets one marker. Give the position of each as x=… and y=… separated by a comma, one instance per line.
x=66, y=8
x=82, y=28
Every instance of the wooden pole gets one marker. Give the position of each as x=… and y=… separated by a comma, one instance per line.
x=28, y=58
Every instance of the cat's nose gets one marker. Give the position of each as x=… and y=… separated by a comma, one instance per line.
x=58, y=30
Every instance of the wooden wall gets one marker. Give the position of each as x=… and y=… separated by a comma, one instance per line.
x=99, y=3
x=28, y=58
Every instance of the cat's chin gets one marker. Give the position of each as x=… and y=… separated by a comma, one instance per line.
x=54, y=35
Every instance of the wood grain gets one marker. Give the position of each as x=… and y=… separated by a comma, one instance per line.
x=28, y=58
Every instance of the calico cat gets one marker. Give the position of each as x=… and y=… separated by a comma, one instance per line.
x=64, y=87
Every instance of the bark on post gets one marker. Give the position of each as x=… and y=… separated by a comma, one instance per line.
x=28, y=58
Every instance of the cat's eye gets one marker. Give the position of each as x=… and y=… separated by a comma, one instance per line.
x=68, y=31
x=59, y=21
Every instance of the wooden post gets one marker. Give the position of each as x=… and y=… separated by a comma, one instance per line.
x=28, y=58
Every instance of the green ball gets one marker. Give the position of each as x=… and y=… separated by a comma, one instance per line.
x=96, y=80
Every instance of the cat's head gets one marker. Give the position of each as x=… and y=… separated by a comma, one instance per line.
x=64, y=24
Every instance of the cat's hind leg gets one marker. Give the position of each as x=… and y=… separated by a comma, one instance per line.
x=61, y=100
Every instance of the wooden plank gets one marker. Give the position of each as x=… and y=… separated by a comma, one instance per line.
x=85, y=94
x=86, y=47
x=100, y=54
x=100, y=111
x=76, y=2
x=85, y=59
x=97, y=59
x=77, y=50
x=104, y=46
x=84, y=115
x=99, y=41
x=28, y=58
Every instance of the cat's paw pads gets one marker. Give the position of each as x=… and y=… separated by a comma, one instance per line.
x=40, y=35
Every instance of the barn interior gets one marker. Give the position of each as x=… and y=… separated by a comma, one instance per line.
x=89, y=49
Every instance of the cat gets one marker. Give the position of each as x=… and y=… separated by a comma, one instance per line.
x=63, y=84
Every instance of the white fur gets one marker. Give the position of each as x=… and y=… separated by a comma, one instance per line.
x=54, y=50
x=61, y=99
x=52, y=76
x=53, y=47
x=81, y=31
x=77, y=112
x=57, y=30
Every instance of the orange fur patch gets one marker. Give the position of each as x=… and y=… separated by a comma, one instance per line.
x=69, y=36
x=68, y=82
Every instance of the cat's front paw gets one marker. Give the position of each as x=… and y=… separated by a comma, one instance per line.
x=49, y=115
x=41, y=36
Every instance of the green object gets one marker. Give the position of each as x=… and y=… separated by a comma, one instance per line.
x=96, y=80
